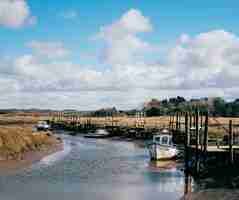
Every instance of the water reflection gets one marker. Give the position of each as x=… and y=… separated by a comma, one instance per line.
x=170, y=165
x=97, y=169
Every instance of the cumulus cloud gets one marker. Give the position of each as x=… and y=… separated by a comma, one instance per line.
x=121, y=41
x=49, y=49
x=15, y=13
x=197, y=65
x=207, y=60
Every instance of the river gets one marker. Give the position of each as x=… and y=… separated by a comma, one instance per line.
x=90, y=169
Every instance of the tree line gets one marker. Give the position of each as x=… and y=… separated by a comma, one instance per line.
x=215, y=106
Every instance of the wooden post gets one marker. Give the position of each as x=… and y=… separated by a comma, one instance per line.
x=179, y=121
x=173, y=123
x=205, y=141
x=197, y=140
x=177, y=125
x=230, y=142
x=201, y=129
x=187, y=142
x=187, y=184
x=170, y=123
x=190, y=120
x=205, y=138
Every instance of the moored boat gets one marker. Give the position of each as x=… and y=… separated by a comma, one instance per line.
x=42, y=126
x=162, y=148
x=100, y=133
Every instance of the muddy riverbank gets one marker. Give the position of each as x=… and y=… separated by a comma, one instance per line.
x=21, y=146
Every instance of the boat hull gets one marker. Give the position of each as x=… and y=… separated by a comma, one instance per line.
x=159, y=152
x=96, y=136
x=100, y=133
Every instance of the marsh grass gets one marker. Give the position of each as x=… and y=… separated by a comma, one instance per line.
x=15, y=141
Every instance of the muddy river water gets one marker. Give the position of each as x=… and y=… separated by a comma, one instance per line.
x=90, y=169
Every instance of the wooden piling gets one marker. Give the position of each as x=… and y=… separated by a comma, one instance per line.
x=190, y=120
x=173, y=123
x=187, y=142
x=197, y=140
x=177, y=122
x=230, y=143
x=200, y=130
x=187, y=184
x=170, y=123
x=205, y=138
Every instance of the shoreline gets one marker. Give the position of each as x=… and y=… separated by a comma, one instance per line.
x=11, y=166
x=22, y=146
x=208, y=194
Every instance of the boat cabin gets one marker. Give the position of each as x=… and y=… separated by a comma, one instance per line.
x=165, y=140
x=42, y=125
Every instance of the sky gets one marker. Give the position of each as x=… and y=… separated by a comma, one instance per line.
x=91, y=54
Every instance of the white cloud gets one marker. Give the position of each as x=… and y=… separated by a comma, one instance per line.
x=195, y=64
x=49, y=49
x=134, y=22
x=15, y=13
x=202, y=65
x=207, y=60
x=122, y=44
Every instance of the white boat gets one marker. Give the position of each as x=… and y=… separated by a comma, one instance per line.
x=162, y=148
x=100, y=133
x=42, y=126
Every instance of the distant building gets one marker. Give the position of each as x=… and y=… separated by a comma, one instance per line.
x=205, y=101
x=106, y=112
x=154, y=103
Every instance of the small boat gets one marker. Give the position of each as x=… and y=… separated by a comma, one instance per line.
x=162, y=148
x=42, y=126
x=100, y=133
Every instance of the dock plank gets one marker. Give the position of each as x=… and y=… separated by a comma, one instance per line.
x=222, y=148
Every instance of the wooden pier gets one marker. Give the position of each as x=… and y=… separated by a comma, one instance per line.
x=202, y=149
x=207, y=141
x=133, y=127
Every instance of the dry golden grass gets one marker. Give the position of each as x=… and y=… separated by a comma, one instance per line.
x=13, y=119
x=152, y=121
x=218, y=126
x=14, y=141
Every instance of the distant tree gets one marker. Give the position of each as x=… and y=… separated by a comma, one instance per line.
x=131, y=112
x=236, y=102
x=180, y=99
x=235, y=108
x=153, y=112
x=164, y=102
x=177, y=100
x=216, y=106
x=219, y=107
x=173, y=100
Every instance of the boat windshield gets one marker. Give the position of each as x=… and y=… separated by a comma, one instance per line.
x=157, y=139
x=164, y=140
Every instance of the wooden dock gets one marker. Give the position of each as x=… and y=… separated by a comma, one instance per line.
x=223, y=148
x=203, y=140
x=203, y=152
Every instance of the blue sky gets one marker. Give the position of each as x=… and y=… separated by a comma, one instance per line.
x=170, y=19
x=108, y=41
